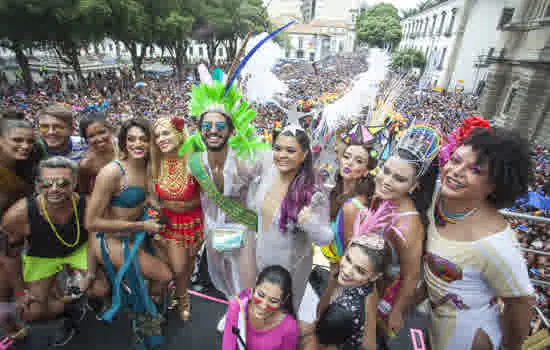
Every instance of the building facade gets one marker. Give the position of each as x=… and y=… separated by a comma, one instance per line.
x=457, y=37
x=331, y=10
x=284, y=9
x=517, y=94
x=319, y=39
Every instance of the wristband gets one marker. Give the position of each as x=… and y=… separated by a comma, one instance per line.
x=91, y=276
x=20, y=294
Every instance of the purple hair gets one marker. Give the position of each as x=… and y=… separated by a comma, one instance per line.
x=301, y=188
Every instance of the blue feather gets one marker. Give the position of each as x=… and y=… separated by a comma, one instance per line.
x=251, y=53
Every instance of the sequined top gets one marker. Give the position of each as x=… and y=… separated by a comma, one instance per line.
x=184, y=192
x=353, y=299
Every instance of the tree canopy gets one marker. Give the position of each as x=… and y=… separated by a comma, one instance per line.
x=408, y=58
x=67, y=26
x=379, y=26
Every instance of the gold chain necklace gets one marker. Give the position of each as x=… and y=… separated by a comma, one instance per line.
x=174, y=177
x=52, y=226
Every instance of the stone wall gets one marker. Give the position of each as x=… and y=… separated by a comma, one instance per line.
x=529, y=112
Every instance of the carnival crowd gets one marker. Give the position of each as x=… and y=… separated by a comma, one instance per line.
x=120, y=183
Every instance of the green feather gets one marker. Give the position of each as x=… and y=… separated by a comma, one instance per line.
x=193, y=144
x=245, y=140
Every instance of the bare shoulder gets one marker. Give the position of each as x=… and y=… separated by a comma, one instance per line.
x=350, y=208
x=16, y=215
x=109, y=172
x=86, y=162
x=108, y=179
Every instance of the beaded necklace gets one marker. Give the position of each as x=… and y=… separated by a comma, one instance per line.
x=52, y=226
x=442, y=217
x=173, y=178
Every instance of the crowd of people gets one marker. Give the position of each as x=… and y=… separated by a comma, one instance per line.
x=108, y=181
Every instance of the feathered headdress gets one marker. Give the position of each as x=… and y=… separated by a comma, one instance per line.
x=371, y=227
x=422, y=141
x=215, y=95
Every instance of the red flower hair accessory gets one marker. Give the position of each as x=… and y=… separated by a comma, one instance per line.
x=459, y=135
x=468, y=125
x=178, y=123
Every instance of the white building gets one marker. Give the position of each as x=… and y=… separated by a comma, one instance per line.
x=456, y=37
x=284, y=8
x=331, y=10
x=319, y=39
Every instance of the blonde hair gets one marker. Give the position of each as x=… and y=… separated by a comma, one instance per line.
x=156, y=154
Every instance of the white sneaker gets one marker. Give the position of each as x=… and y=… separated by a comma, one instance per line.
x=221, y=324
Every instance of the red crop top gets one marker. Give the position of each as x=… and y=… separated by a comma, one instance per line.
x=179, y=192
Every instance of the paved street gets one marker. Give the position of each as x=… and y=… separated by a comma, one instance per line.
x=199, y=334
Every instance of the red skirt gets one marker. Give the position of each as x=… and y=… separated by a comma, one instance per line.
x=184, y=228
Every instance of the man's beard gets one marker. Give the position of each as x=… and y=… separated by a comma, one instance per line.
x=218, y=148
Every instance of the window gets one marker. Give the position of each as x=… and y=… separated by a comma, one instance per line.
x=547, y=12
x=452, y=22
x=220, y=51
x=201, y=51
x=442, y=23
x=442, y=58
x=491, y=52
x=510, y=100
x=300, y=43
x=299, y=54
x=433, y=25
x=505, y=17
x=190, y=50
x=312, y=56
x=426, y=23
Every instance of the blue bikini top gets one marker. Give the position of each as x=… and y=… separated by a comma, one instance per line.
x=131, y=196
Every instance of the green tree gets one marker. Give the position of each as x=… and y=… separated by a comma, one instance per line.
x=174, y=31
x=134, y=23
x=407, y=59
x=224, y=22
x=76, y=24
x=379, y=26
x=21, y=29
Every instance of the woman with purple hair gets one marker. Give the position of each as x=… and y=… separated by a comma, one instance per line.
x=293, y=210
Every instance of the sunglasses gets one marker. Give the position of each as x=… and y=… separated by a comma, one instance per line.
x=60, y=182
x=56, y=128
x=207, y=126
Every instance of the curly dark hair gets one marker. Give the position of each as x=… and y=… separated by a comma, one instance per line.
x=507, y=156
x=89, y=119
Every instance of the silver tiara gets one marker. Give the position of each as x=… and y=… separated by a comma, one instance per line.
x=422, y=142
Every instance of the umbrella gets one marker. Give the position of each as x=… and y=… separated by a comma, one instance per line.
x=141, y=84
